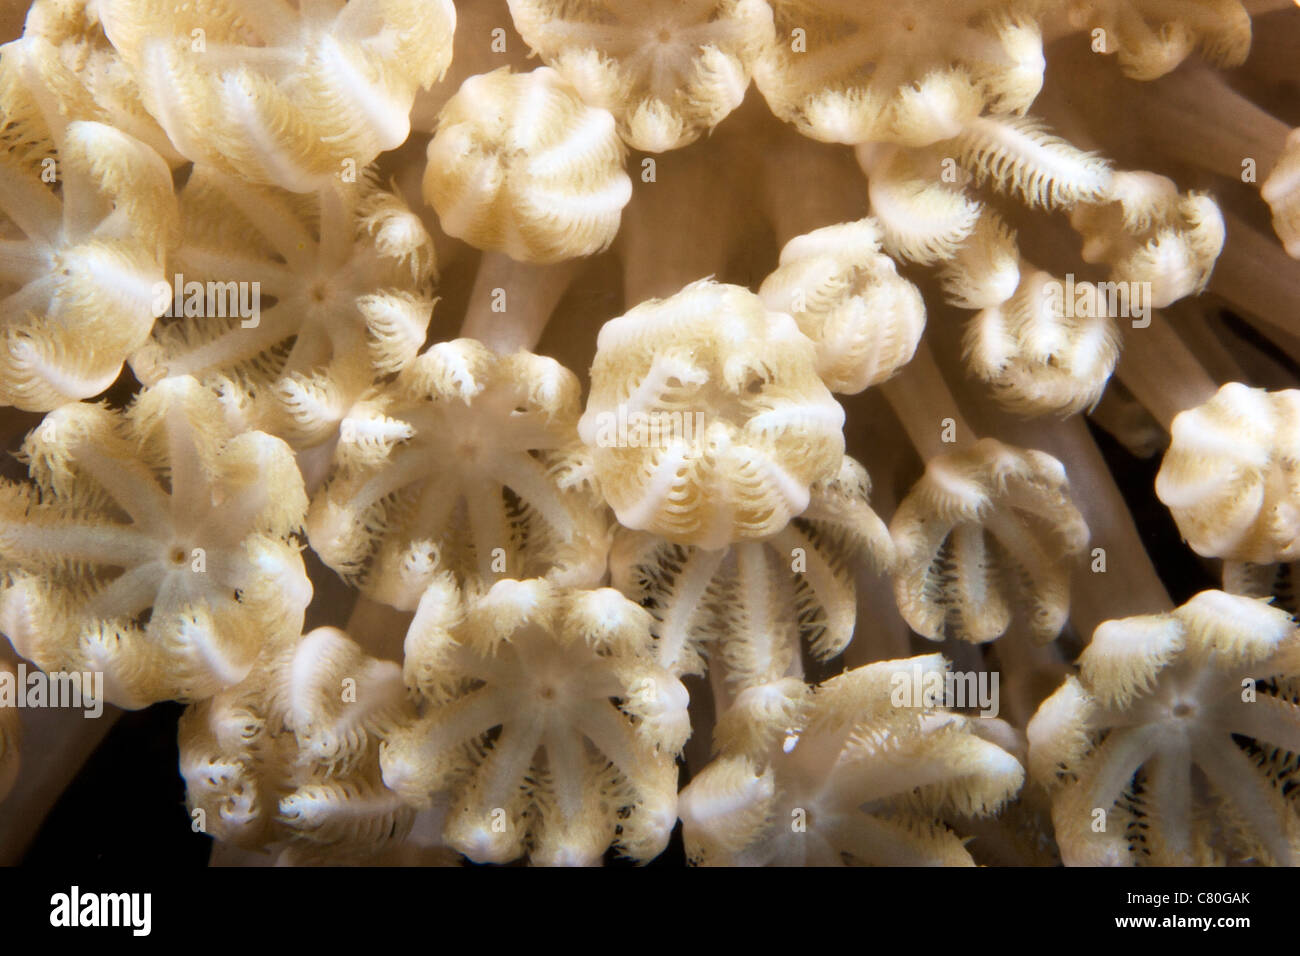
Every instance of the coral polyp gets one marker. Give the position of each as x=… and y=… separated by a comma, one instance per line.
x=728, y=432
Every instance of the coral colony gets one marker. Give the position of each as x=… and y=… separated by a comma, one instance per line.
x=520, y=429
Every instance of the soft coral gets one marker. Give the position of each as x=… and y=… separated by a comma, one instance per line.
x=154, y=545
x=547, y=718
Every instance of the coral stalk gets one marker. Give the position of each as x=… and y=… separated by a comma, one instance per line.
x=1164, y=374
x=922, y=402
x=512, y=301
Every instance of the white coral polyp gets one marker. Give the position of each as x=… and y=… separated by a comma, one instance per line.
x=521, y=165
x=154, y=546
x=668, y=71
x=987, y=532
x=749, y=605
x=276, y=291
x=87, y=214
x=288, y=760
x=290, y=95
x=1178, y=736
x=1152, y=236
x=707, y=420
x=1231, y=476
x=855, y=781
x=1050, y=347
x=1152, y=37
x=547, y=720
x=875, y=71
x=456, y=466
x=847, y=296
